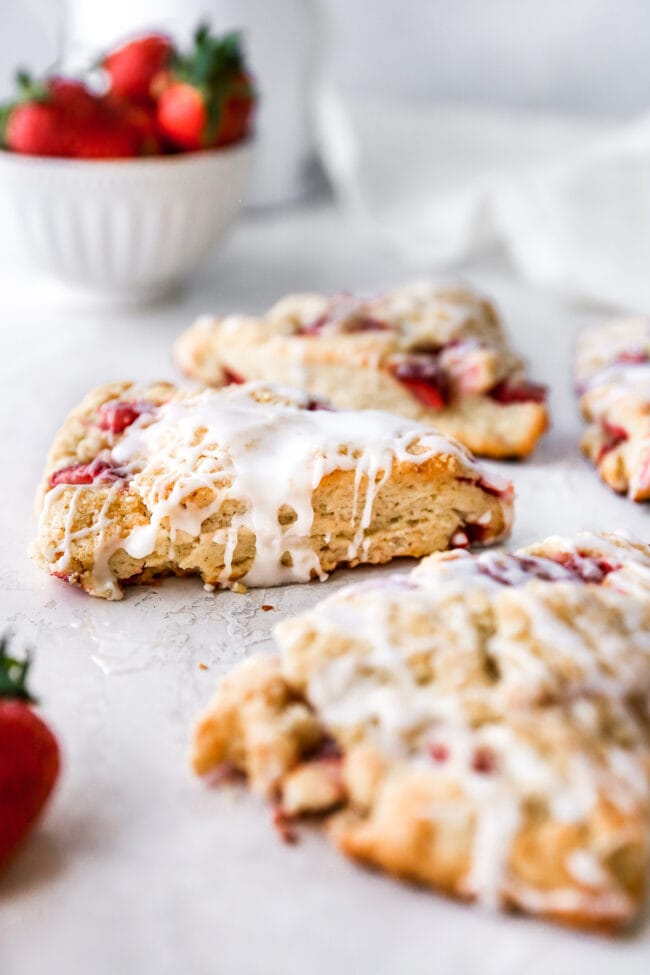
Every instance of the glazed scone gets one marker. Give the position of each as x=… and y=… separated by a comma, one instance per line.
x=613, y=382
x=253, y=485
x=480, y=726
x=434, y=354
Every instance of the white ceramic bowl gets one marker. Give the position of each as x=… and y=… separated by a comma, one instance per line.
x=125, y=229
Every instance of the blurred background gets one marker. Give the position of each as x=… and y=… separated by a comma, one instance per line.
x=441, y=129
x=580, y=55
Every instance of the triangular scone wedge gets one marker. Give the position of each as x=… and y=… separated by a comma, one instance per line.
x=480, y=726
x=612, y=373
x=256, y=485
x=435, y=354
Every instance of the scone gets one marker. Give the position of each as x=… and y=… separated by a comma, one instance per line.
x=435, y=354
x=613, y=382
x=480, y=726
x=255, y=484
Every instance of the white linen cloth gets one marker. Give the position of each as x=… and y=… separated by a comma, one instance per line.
x=569, y=199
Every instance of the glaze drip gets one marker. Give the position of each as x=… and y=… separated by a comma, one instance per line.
x=260, y=451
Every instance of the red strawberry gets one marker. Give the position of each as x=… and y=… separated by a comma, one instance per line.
x=192, y=120
x=428, y=394
x=632, y=357
x=183, y=116
x=424, y=378
x=439, y=752
x=43, y=118
x=102, y=126
x=63, y=118
x=207, y=98
x=105, y=139
x=29, y=756
x=235, y=112
x=117, y=415
x=97, y=471
x=35, y=129
x=141, y=121
x=73, y=98
x=230, y=377
x=484, y=760
x=132, y=67
x=613, y=437
x=518, y=392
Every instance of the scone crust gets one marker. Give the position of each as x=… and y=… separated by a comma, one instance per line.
x=356, y=369
x=612, y=373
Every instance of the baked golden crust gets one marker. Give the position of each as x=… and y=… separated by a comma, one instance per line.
x=256, y=483
x=433, y=354
x=427, y=753
x=612, y=374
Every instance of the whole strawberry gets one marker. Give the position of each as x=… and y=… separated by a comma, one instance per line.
x=207, y=98
x=132, y=66
x=31, y=123
x=29, y=755
x=34, y=129
x=62, y=117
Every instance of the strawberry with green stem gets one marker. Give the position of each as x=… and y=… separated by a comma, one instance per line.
x=62, y=117
x=30, y=759
x=31, y=123
x=207, y=97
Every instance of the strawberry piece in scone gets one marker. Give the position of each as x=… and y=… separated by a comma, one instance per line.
x=612, y=374
x=252, y=484
x=435, y=354
x=479, y=726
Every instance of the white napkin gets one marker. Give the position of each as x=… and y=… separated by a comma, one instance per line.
x=568, y=198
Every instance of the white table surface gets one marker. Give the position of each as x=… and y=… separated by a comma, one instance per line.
x=138, y=867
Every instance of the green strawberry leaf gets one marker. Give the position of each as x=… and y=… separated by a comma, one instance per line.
x=29, y=89
x=5, y=111
x=213, y=61
x=13, y=674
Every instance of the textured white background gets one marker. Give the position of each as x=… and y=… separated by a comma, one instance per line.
x=138, y=869
x=583, y=55
x=589, y=55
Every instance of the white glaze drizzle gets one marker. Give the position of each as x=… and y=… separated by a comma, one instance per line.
x=615, y=382
x=374, y=688
x=264, y=455
x=59, y=555
x=586, y=869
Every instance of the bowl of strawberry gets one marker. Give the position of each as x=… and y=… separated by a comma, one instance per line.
x=123, y=184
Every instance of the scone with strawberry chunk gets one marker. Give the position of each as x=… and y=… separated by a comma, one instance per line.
x=256, y=484
x=613, y=382
x=435, y=354
x=480, y=726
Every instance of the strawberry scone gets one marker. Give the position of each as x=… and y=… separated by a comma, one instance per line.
x=434, y=354
x=255, y=484
x=613, y=382
x=479, y=726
